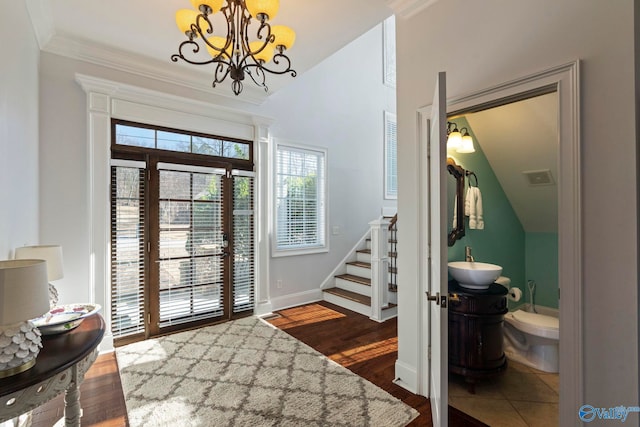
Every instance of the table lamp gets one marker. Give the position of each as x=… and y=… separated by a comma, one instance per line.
x=23, y=296
x=52, y=254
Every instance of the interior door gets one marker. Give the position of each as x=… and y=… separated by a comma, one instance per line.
x=437, y=276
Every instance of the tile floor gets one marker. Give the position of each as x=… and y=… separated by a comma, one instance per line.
x=520, y=397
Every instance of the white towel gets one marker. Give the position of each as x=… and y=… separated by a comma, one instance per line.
x=473, y=208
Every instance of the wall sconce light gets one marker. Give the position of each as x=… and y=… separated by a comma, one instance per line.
x=459, y=140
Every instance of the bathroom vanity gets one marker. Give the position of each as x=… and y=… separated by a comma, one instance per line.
x=475, y=332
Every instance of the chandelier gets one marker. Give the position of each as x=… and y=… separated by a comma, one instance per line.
x=235, y=54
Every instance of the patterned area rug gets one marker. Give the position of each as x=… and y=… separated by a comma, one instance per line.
x=247, y=373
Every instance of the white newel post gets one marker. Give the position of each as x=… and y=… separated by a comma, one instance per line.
x=379, y=267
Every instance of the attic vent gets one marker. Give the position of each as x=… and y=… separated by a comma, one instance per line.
x=539, y=177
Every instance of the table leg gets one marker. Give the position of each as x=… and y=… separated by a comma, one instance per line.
x=72, y=410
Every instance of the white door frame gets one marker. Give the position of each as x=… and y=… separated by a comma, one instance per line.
x=564, y=80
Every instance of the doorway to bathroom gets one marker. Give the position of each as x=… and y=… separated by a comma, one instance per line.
x=563, y=80
x=513, y=165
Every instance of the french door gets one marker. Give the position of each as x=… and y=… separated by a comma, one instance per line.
x=189, y=245
x=182, y=245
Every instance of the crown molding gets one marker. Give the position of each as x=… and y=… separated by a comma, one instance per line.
x=407, y=8
x=41, y=20
x=120, y=60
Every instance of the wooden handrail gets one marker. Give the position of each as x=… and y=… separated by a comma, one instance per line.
x=393, y=221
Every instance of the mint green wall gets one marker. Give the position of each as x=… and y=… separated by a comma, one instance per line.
x=541, y=265
x=502, y=241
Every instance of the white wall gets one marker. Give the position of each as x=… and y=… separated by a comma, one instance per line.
x=335, y=105
x=18, y=129
x=498, y=41
x=339, y=105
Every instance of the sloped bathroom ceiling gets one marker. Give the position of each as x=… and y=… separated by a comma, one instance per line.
x=519, y=137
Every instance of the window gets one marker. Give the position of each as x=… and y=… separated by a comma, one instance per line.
x=390, y=156
x=136, y=135
x=300, y=194
x=389, y=51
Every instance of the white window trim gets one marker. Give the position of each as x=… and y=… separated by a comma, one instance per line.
x=388, y=117
x=275, y=251
x=388, y=34
x=107, y=99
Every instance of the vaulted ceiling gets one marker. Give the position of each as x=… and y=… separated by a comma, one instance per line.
x=142, y=35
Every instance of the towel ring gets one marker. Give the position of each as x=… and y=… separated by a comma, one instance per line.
x=470, y=174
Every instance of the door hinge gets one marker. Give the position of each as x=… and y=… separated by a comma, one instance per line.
x=148, y=246
x=148, y=318
x=429, y=353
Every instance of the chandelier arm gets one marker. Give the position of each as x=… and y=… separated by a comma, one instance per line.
x=195, y=48
x=221, y=71
x=259, y=72
x=286, y=61
x=197, y=26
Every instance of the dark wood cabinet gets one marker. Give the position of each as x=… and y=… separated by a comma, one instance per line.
x=475, y=332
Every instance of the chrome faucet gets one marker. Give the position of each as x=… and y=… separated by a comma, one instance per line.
x=467, y=254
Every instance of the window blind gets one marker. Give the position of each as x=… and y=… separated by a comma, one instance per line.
x=300, y=219
x=243, y=242
x=127, y=248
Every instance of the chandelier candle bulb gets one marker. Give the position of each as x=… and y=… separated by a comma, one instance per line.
x=217, y=42
x=263, y=55
x=268, y=8
x=284, y=36
x=210, y=6
x=184, y=19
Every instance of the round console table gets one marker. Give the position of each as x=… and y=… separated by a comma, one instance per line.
x=60, y=366
x=475, y=332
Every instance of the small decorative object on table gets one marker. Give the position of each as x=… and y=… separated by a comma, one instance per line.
x=23, y=287
x=64, y=318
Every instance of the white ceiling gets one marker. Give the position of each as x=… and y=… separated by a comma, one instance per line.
x=141, y=35
x=519, y=137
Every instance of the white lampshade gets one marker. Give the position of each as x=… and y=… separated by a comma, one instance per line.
x=24, y=291
x=454, y=141
x=52, y=254
x=467, y=145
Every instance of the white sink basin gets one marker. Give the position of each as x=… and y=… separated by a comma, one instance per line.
x=474, y=275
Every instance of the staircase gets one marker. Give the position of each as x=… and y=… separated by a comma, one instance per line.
x=365, y=281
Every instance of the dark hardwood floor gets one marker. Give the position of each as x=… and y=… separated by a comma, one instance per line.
x=367, y=348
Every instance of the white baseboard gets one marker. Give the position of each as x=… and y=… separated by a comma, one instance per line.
x=106, y=345
x=263, y=309
x=293, y=300
x=406, y=377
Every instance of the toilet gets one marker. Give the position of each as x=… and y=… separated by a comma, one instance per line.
x=532, y=339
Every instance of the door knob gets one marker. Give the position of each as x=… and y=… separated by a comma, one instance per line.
x=435, y=297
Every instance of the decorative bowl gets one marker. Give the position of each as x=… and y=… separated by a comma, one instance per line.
x=64, y=318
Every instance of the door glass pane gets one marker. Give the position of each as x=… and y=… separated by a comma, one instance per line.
x=191, y=245
x=243, y=244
